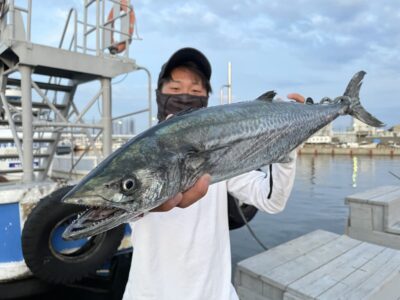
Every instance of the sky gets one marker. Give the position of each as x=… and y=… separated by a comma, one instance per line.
x=306, y=46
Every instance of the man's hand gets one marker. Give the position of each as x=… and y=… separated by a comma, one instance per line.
x=296, y=97
x=187, y=198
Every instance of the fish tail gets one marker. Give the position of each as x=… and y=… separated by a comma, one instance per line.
x=356, y=109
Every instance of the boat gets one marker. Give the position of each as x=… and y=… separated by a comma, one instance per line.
x=34, y=259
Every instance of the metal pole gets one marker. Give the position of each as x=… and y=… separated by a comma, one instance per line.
x=12, y=19
x=88, y=106
x=75, y=30
x=29, y=20
x=107, y=116
x=12, y=125
x=149, y=93
x=229, y=82
x=103, y=10
x=27, y=119
x=85, y=27
x=97, y=28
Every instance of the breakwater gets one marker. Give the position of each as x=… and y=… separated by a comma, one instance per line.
x=330, y=150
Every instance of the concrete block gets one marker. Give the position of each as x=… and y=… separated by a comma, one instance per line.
x=378, y=218
x=272, y=292
x=246, y=294
x=252, y=283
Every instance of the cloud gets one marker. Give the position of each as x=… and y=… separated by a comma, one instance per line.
x=329, y=33
x=306, y=46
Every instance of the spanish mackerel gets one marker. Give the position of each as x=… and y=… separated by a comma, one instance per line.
x=223, y=141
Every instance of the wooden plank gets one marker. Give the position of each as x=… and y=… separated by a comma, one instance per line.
x=388, y=196
x=369, y=196
x=377, y=237
x=361, y=216
x=365, y=279
x=325, y=277
x=287, y=273
x=247, y=294
x=265, y=261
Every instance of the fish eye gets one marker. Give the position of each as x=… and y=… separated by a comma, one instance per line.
x=128, y=185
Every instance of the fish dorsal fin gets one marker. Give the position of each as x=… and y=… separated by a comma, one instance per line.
x=184, y=112
x=268, y=96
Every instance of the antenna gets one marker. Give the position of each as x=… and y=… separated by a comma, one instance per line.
x=228, y=86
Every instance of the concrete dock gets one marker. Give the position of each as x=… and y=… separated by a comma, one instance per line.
x=326, y=265
x=321, y=265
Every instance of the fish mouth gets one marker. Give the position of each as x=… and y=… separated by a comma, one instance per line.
x=95, y=220
x=99, y=216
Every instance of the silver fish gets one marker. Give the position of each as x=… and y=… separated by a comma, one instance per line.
x=223, y=141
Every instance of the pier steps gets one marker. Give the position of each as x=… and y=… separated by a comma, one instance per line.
x=375, y=216
x=321, y=265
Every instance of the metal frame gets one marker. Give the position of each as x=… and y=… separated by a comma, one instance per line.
x=63, y=120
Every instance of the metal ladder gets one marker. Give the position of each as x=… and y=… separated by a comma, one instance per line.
x=23, y=65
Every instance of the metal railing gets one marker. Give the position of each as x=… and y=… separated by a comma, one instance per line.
x=103, y=29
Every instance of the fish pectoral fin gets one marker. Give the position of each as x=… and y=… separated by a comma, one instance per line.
x=198, y=159
x=195, y=162
x=268, y=96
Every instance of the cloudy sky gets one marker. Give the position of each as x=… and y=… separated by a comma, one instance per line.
x=306, y=46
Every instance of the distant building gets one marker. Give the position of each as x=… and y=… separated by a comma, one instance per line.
x=323, y=136
x=395, y=129
x=362, y=129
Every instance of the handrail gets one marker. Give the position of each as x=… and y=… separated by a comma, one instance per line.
x=12, y=9
x=72, y=10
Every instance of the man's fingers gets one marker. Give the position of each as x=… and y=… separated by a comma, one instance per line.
x=296, y=97
x=187, y=198
x=196, y=192
x=169, y=204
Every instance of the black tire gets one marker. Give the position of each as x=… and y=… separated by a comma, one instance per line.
x=53, y=266
x=235, y=219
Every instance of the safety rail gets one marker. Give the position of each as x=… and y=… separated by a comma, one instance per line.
x=51, y=117
x=103, y=28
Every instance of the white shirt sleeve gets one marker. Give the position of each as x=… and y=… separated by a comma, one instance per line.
x=254, y=187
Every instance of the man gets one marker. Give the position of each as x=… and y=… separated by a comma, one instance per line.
x=185, y=253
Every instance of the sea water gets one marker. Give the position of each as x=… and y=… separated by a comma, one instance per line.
x=317, y=199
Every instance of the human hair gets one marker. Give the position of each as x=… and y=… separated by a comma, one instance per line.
x=191, y=66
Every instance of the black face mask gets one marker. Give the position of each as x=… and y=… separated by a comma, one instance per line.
x=173, y=104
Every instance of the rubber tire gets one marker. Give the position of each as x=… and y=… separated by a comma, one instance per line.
x=62, y=269
x=235, y=219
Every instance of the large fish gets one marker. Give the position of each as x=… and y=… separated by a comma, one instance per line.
x=223, y=141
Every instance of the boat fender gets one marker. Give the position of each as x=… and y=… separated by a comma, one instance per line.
x=53, y=264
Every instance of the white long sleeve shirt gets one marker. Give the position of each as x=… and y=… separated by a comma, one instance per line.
x=185, y=253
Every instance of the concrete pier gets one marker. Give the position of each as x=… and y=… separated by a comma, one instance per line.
x=328, y=150
x=365, y=264
x=321, y=265
x=375, y=216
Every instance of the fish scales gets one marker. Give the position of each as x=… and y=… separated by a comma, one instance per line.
x=223, y=141
x=242, y=132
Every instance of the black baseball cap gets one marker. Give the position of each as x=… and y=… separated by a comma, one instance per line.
x=182, y=56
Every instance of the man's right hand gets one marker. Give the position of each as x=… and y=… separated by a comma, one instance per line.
x=185, y=199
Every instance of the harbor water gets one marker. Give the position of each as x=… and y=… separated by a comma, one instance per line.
x=317, y=200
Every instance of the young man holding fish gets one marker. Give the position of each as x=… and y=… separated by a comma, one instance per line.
x=182, y=248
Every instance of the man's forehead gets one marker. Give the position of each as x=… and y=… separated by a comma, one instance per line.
x=193, y=80
x=181, y=74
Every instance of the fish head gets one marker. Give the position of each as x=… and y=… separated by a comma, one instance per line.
x=116, y=192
